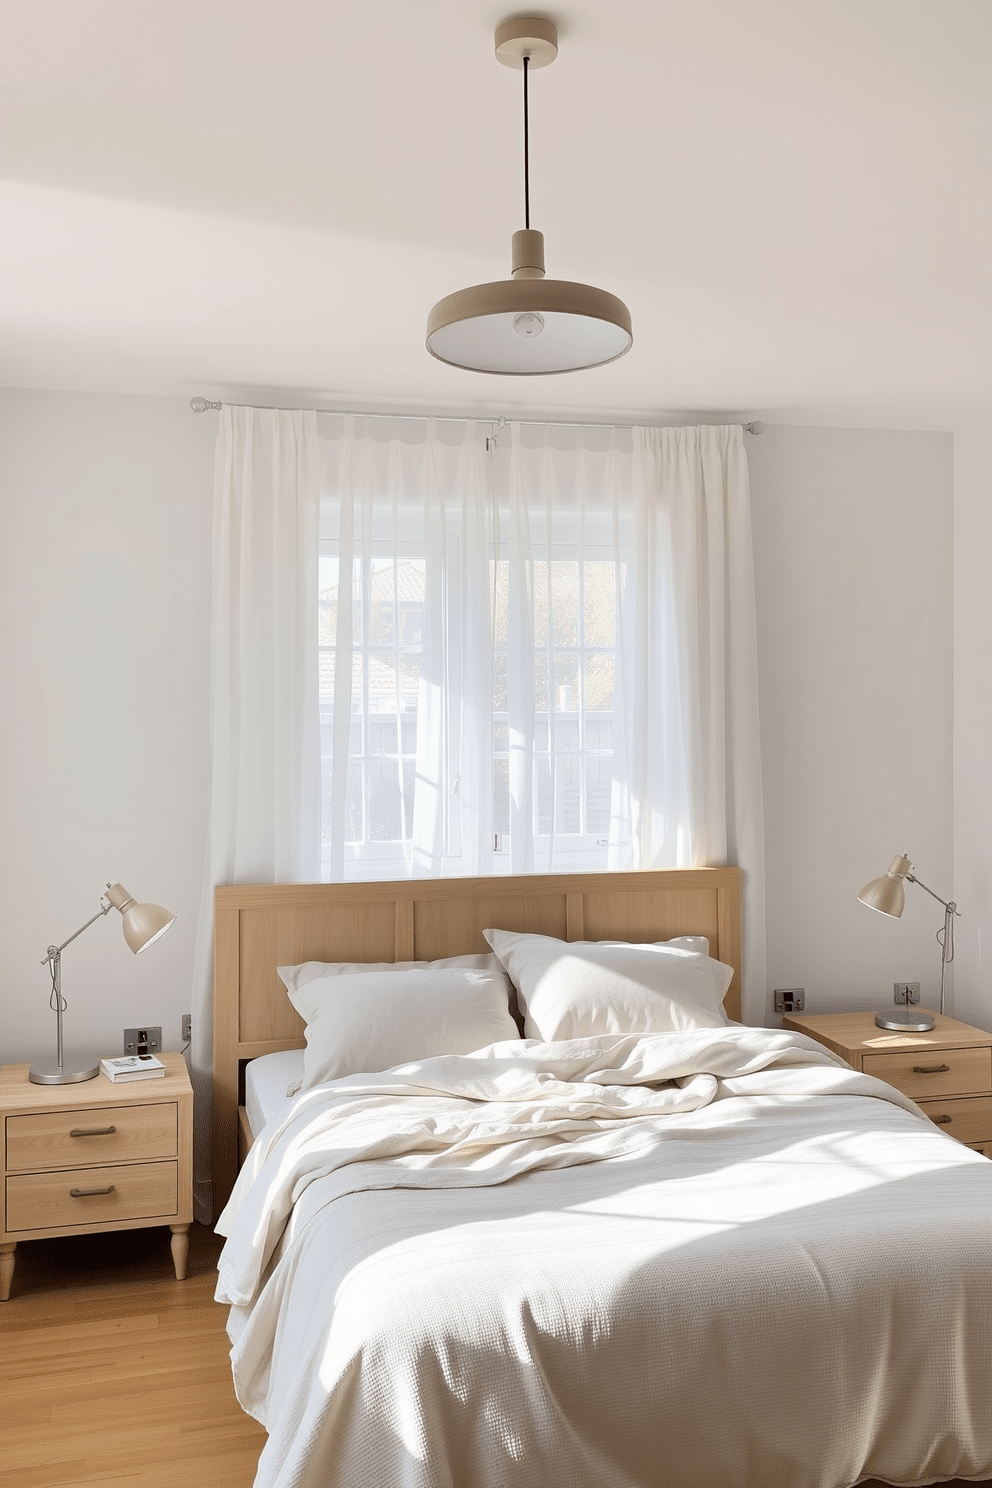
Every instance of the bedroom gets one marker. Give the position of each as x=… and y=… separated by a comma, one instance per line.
x=156, y=252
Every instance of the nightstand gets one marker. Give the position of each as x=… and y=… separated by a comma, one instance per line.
x=947, y=1071
x=95, y=1156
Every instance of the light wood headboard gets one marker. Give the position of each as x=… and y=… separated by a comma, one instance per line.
x=258, y=927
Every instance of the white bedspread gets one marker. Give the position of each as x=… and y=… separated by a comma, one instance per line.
x=694, y=1261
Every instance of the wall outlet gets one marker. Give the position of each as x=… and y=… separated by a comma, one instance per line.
x=790, y=999
x=142, y=1040
x=187, y=1027
x=905, y=992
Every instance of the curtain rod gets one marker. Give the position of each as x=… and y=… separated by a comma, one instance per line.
x=200, y=404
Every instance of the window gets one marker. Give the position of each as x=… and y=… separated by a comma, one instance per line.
x=571, y=604
x=528, y=666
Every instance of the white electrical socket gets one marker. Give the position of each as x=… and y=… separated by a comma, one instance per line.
x=905, y=992
x=187, y=1027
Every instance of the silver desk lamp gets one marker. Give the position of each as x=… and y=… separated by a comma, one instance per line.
x=887, y=895
x=143, y=924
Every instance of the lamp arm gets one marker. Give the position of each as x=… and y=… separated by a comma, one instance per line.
x=54, y=951
x=948, y=904
x=54, y=960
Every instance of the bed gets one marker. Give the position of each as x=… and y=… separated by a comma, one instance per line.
x=709, y=1258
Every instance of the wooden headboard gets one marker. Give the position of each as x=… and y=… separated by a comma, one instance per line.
x=258, y=927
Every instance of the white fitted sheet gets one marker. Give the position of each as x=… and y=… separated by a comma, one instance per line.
x=266, y=1082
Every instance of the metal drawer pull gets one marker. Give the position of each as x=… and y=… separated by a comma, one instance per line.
x=941, y=1120
x=930, y=1069
x=87, y=1193
x=92, y=1131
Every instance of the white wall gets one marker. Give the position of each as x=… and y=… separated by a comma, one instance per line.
x=105, y=531
x=973, y=720
x=105, y=537
x=853, y=571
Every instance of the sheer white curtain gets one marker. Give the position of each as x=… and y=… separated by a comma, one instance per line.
x=538, y=653
x=264, y=823
x=696, y=772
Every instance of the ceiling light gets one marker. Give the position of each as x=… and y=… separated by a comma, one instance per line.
x=527, y=324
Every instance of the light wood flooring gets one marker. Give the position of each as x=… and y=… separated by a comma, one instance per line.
x=113, y=1372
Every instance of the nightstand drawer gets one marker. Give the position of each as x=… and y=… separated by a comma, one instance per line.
x=969, y=1119
x=69, y=1139
x=96, y=1196
x=923, y=1073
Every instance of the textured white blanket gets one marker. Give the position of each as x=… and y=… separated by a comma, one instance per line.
x=698, y=1260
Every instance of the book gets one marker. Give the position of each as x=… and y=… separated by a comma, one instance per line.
x=133, y=1067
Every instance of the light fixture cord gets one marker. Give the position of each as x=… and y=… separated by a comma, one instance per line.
x=526, y=152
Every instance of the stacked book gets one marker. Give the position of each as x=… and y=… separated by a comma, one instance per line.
x=133, y=1067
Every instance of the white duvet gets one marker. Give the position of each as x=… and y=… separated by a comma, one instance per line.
x=719, y=1259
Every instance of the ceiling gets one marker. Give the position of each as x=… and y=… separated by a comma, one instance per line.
x=794, y=198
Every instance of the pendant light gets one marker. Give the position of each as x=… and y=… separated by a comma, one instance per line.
x=528, y=325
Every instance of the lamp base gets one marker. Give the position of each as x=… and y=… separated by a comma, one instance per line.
x=47, y=1073
x=906, y=1020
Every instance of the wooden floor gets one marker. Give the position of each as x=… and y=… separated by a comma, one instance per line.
x=113, y=1372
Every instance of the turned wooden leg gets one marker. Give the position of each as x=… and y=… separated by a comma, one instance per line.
x=180, y=1249
x=6, y=1268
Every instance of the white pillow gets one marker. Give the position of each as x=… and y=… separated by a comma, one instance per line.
x=364, y=1022
x=582, y=988
x=309, y=971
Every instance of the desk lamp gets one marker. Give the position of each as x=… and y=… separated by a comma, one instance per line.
x=887, y=895
x=143, y=924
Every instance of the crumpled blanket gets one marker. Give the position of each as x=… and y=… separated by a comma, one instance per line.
x=472, y=1120
x=666, y=1261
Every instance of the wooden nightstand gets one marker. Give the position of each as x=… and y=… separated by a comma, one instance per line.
x=95, y=1156
x=948, y=1071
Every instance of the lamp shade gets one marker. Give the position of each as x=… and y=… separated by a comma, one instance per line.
x=526, y=327
x=143, y=923
x=887, y=894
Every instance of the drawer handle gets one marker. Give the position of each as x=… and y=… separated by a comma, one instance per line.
x=87, y=1193
x=930, y=1069
x=941, y=1120
x=92, y=1131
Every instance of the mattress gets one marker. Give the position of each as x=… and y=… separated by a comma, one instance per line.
x=675, y=1262
x=266, y=1082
